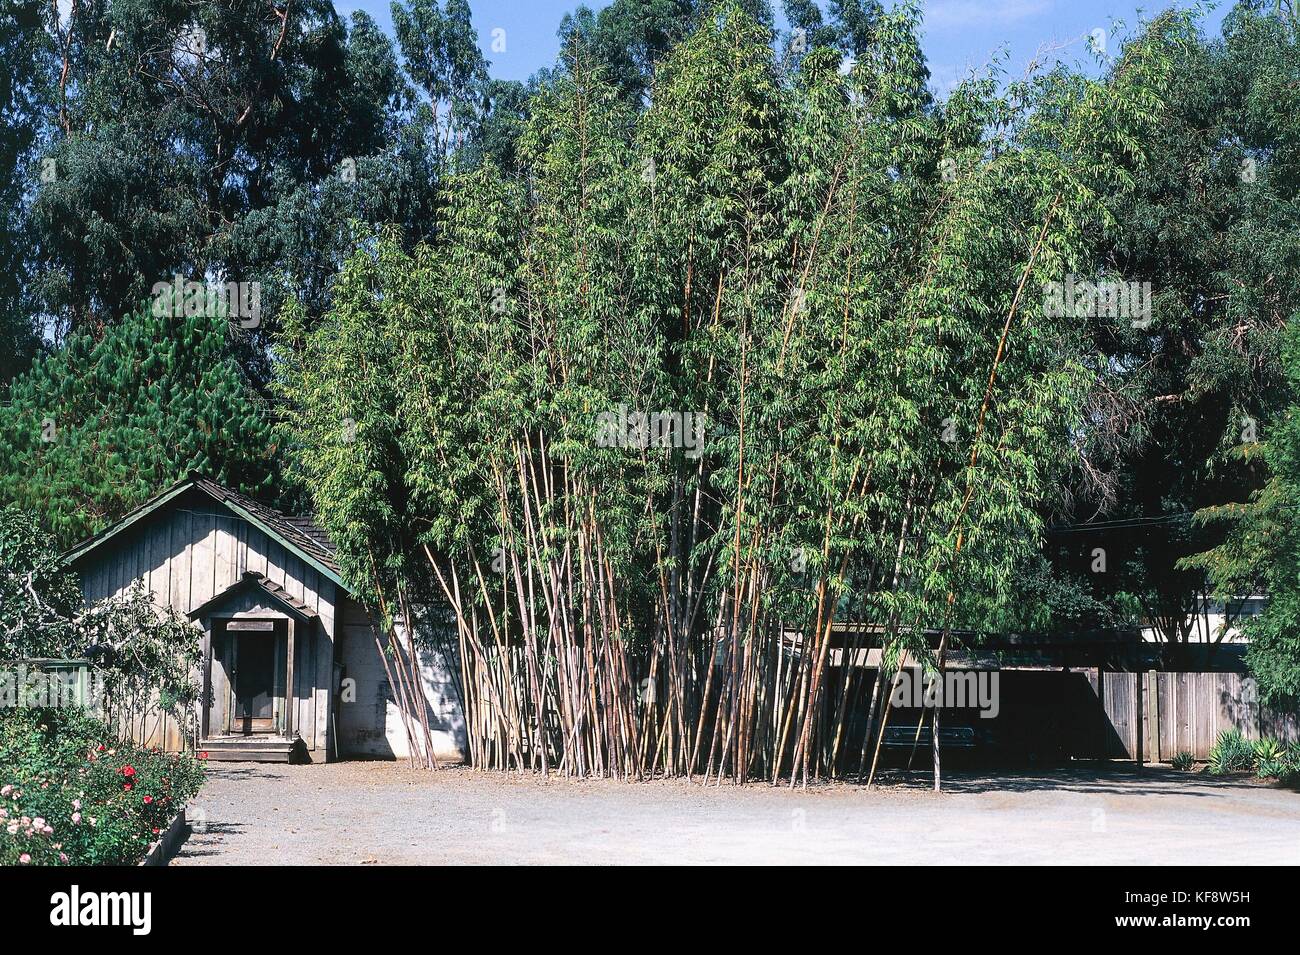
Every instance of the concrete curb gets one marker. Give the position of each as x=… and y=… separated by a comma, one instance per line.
x=166, y=845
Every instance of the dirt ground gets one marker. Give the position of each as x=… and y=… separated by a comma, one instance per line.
x=385, y=814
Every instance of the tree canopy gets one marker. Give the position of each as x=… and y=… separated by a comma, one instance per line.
x=632, y=382
x=102, y=425
x=714, y=373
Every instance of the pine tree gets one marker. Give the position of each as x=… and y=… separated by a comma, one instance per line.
x=100, y=426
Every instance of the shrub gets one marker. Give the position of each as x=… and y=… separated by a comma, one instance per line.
x=1283, y=766
x=1269, y=750
x=1232, y=753
x=1272, y=769
x=72, y=794
x=141, y=652
x=1184, y=761
x=39, y=596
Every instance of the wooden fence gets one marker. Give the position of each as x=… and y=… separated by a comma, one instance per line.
x=74, y=682
x=1154, y=715
x=1094, y=713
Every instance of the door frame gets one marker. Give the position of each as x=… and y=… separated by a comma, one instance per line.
x=239, y=634
x=221, y=647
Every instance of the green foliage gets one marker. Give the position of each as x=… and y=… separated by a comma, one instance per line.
x=38, y=594
x=1261, y=552
x=1179, y=405
x=140, y=652
x=103, y=424
x=441, y=50
x=850, y=27
x=1277, y=761
x=1183, y=762
x=780, y=256
x=840, y=277
x=1232, y=753
x=1269, y=749
x=628, y=38
x=144, y=653
x=166, y=137
x=24, y=58
x=1272, y=769
x=72, y=794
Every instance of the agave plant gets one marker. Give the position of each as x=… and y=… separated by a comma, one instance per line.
x=1269, y=750
x=1272, y=769
x=1184, y=761
x=1232, y=753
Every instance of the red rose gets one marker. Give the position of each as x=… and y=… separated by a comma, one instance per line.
x=126, y=787
x=148, y=799
x=203, y=755
x=128, y=771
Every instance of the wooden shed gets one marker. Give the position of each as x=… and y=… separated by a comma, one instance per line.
x=291, y=663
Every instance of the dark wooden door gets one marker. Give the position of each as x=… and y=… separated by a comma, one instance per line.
x=254, y=682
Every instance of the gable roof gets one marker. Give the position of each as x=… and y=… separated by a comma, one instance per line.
x=299, y=535
x=251, y=580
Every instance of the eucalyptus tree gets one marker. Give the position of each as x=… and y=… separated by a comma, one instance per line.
x=629, y=37
x=162, y=125
x=24, y=57
x=441, y=54
x=850, y=26
x=1209, y=220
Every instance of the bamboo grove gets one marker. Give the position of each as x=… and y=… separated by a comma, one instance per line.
x=831, y=275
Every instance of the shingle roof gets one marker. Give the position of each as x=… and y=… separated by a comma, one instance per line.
x=270, y=587
x=302, y=531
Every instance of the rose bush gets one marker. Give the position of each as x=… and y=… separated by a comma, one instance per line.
x=71, y=793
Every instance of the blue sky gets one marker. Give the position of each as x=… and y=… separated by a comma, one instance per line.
x=958, y=34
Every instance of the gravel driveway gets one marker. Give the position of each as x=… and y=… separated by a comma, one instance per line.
x=385, y=813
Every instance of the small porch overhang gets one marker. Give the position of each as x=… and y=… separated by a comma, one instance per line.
x=255, y=582
x=247, y=715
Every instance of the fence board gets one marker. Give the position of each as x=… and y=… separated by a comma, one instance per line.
x=1184, y=712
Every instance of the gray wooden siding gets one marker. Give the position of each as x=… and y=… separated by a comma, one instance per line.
x=186, y=555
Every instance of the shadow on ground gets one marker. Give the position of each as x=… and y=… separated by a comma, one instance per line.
x=1100, y=778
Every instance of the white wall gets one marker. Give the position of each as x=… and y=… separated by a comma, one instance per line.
x=371, y=725
x=1208, y=626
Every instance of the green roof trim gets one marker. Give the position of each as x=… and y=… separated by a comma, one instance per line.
x=219, y=495
x=288, y=545
x=141, y=512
